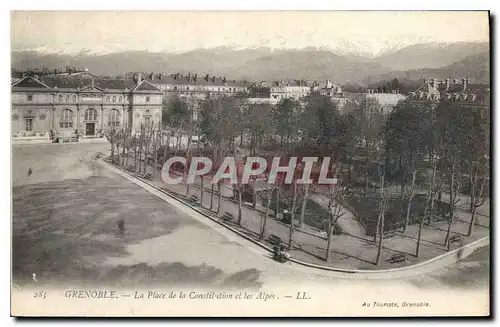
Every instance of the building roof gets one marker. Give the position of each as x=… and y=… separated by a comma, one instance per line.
x=450, y=89
x=178, y=79
x=81, y=81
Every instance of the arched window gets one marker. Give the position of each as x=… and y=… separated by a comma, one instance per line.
x=147, y=118
x=60, y=98
x=66, y=119
x=120, y=99
x=67, y=98
x=114, y=99
x=114, y=118
x=107, y=98
x=91, y=114
x=74, y=98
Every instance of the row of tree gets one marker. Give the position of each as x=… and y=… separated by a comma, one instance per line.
x=428, y=149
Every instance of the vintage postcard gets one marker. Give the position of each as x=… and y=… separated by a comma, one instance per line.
x=250, y=164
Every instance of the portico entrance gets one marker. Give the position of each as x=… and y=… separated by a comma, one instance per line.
x=90, y=129
x=90, y=121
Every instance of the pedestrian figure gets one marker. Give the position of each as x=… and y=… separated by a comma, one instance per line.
x=121, y=226
x=30, y=171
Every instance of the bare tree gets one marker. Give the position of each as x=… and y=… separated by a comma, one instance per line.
x=410, y=195
x=292, y=217
x=304, y=203
x=429, y=204
x=335, y=212
x=453, y=188
x=263, y=228
x=157, y=141
x=478, y=201
x=119, y=140
x=383, y=204
x=127, y=140
x=112, y=138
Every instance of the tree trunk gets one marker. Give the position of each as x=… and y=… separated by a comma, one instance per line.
x=155, y=157
x=451, y=208
x=135, y=157
x=420, y=229
x=366, y=182
x=254, y=199
x=266, y=214
x=123, y=152
x=292, y=218
x=329, y=236
x=375, y=236
x=380, y=222
x=167, y=147
x=118, y=153
x=140, y=158
x=430, y=200
x=473, y=181
x=277, y=201
x=381, y=239
x=477, y=203
x=112, y=152
x=202, y=190
x=220, y=195
x=410, y=199
x=304, y=203
x=212, y=197
x=239, y=203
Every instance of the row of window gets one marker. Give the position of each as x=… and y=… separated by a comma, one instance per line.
x=200, y=89
x=60, y=98
x=90, y=115
x=108, y=99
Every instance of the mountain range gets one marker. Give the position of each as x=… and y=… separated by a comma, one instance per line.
x=425, y=60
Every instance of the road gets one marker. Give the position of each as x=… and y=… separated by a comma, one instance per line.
x=65, y=230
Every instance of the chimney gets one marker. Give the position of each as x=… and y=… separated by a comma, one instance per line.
x=435, y=84
x=137, y=78
x=464, y=82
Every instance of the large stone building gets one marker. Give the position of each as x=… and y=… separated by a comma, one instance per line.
x=297, y=90
x=82, y=103
x=194, y=86
x=458, y=91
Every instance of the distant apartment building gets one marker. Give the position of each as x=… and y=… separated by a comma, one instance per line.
x=82, y=103
x=297, y=90
x=458, y=91
x=195, y=86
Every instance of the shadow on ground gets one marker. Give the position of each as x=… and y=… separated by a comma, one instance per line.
x=65, y=231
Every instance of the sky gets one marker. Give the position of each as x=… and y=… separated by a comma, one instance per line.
x=179, y=31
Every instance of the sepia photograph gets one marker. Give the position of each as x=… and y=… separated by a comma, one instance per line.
x=250, y=163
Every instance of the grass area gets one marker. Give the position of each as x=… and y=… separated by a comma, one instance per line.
x=366, y=209
x=314, y=215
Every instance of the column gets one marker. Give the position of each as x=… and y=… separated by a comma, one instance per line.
x=77, y=119
x=102, y=118
x=53, y=117
x=123, y=117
